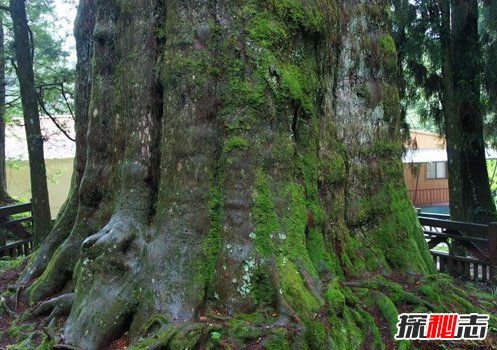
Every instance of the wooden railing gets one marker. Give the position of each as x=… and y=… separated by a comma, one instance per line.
x=475, y=244
x=429, y=196
x=24, y=245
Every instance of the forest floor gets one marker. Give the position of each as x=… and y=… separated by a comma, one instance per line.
x=28, y=333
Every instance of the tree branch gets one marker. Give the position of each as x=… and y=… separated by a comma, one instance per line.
x=43, y=107
x=65, y=99
x=5, y=8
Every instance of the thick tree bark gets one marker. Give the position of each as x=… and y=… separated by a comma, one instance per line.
x=243, y=158
x=469, y=187
x=24, y=59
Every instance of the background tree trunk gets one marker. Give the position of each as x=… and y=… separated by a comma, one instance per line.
x=24, y=59
x=470, y=196
x=4, y=196
x=243, y=158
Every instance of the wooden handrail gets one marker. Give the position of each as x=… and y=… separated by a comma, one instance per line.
x=25, y=245
x=15, y=222
x=15, y=209
x=454, y=225
x=459, y=258
x=433, y=215
x=457, y=237
x=458, y=231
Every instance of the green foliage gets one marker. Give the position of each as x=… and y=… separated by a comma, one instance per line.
x=488, y=25
x=7, y=263
x=416, y=31
x=216, y=337
x=54, y=70
x=492, y=173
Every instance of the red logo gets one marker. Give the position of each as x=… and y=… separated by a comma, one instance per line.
x=442, y=327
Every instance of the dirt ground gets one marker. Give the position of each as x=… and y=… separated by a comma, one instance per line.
x=9, y=338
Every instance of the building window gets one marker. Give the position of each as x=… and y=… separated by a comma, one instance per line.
x=436, y=170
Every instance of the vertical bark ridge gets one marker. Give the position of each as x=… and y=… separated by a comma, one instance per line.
x=189, y=151
x=118, y=248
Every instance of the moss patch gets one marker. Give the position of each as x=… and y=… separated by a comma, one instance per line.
x=388, y=53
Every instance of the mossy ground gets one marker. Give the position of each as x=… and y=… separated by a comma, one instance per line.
x=354, y=314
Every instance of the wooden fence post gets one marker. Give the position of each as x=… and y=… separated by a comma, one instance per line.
x=492, y=251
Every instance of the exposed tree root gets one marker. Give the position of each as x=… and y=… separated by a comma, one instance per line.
x=55, y=307
x=107, y=281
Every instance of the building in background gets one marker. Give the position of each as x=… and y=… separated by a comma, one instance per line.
x=59, y=158
x=426, y=172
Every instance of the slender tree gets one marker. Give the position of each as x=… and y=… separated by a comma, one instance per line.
x=24, y=69
x=53, y=76
x=4, y=196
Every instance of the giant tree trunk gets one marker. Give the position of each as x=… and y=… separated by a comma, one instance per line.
x=469, y=186
x=24, y=69
x=243, y=158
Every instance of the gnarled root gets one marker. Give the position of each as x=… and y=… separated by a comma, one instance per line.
x=55, y=307
x=105, y=299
